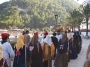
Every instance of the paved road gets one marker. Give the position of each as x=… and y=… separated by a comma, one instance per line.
x=79, y=62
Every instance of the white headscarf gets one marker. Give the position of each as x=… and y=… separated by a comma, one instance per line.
x=48, y=40
x=69, y=35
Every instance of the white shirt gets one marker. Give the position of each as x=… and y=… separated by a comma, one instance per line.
x=59, y=37
x=7, y=51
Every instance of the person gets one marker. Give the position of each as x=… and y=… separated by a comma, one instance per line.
x=55, y=42
x=87, y=62
x=73, y=54
x=2, y=60
x=79, y=42
x=8, y=53
x=75, y=37
x=65, y=31
x=48, y=50
x=19, y=59
x=69, y=36
x=27, y=37
x=45, y=49
x=62, y=52
x=23, y=33
x=43, y=37
x=36, y=53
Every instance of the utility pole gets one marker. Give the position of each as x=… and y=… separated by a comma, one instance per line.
x=56, y=17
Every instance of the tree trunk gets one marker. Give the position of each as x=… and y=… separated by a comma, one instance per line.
x=87, y=26
x=74, y=26
x=78, y=28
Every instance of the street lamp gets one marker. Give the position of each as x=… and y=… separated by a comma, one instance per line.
x=56, y=17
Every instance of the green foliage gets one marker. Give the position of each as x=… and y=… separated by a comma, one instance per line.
x=76, y=17
x=86, y=12
x=35, y=13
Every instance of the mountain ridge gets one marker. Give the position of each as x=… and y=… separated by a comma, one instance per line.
x=42, y=12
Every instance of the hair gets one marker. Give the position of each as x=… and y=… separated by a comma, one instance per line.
x=23, y=33
x=64, y=37
x=34, y=39
x=54, y=34
x=27, y=31
x=69, y=31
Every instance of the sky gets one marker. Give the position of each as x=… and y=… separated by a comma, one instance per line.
x=79, y=1
x=1, y=1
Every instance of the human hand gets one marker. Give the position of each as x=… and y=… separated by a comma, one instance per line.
x=66, y=53
x=12, y=59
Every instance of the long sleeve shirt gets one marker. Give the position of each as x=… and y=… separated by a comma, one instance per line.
x=7, y=50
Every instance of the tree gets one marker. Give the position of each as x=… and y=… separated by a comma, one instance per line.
x=86, y=12
x=35, y=13
x=76, y=17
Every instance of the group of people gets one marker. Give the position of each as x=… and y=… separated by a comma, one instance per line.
x=40, y=51
x=68, y=47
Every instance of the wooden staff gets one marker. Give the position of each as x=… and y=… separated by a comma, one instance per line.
x=25, y=57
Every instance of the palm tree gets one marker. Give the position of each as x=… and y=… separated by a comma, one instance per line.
x=73, y=17
x=86, y=12
x=76, y=18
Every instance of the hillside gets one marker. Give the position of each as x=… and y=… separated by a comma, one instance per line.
x=35, y=13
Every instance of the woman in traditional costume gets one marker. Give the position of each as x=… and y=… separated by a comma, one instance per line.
x=62, y=52
x=55, y=42
x=19, y=60
x=7, y=53
x=59, y=35
x=69, y=36
x=36, y=53
x=74, y=47
x=79, y=42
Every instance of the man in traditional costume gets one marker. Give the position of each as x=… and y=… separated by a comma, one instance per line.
x=27, y=38
x=2, y=60
x=8, y=53
x=26, y=41
x=48, y=50
x=62, y=52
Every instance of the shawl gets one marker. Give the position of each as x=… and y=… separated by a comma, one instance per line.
x=20, y=42
x=1, y=52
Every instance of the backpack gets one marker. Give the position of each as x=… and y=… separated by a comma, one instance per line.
x=62, y=47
